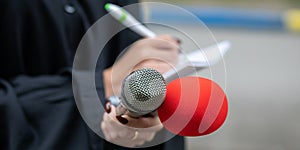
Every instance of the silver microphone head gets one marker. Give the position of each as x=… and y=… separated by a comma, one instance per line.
x=143, y=91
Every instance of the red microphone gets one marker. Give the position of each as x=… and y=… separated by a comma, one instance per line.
x=193, y=106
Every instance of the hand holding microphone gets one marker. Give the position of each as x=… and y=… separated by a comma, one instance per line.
x=134, y=133
x=193, y=106
x=159, y=53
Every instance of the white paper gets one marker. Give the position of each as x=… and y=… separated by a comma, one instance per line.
x=197, y=59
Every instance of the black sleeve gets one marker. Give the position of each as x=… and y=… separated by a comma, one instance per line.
x=40, y=113
x=37, y=108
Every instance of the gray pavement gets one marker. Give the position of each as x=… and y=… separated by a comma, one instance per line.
x=262, y=84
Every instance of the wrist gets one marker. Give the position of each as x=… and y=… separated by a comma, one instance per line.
x=108, y=88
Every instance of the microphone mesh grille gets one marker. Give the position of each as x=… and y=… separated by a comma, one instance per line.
x=143, y=91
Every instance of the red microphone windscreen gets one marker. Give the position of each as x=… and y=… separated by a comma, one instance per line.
x=193, y=106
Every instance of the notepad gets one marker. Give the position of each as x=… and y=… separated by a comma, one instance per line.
x=198, y=59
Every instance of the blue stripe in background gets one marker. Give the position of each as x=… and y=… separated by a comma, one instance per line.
x=223, y=17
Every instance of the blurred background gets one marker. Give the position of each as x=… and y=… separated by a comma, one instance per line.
x=261, y=69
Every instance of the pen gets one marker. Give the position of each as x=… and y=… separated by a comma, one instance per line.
x=128, y=20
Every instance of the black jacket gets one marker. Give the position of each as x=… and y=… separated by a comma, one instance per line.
x=38, y=40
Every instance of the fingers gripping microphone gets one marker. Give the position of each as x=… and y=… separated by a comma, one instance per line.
x=143, y=91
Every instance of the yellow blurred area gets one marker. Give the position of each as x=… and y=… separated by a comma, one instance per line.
x=292, y=19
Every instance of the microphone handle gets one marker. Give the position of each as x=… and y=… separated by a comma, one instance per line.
x=122, y=110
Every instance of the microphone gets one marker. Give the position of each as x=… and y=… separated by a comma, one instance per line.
x=193, y=106
x=188, y=106
x=143, y=91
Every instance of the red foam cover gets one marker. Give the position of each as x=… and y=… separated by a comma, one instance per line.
x=193, y=106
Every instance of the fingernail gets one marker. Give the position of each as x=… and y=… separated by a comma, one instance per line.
x=177, y=40
x=107, y=107
x=122, y=119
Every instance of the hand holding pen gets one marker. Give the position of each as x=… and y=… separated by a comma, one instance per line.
x=196, y=59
